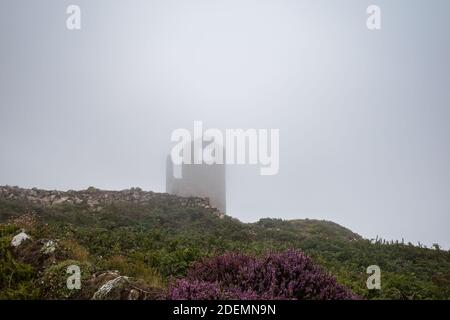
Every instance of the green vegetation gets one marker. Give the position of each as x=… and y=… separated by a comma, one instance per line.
x=155, y=242
x=16, y=279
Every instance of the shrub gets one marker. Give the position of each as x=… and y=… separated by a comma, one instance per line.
x=183, y=289
x=288, y=275
x=75, y=251
x=134, y=268
x=54, y=280
x=16, y=278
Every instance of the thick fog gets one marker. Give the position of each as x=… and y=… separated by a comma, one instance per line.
x=363, y=115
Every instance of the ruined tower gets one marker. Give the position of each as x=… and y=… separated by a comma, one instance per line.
x=197, y=180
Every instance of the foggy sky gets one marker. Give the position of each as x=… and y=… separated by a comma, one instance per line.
x=363, y=115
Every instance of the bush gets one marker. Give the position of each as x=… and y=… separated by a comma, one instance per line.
x=134, y=268
x=16, y=278
x=54, y=280
x=288, y=275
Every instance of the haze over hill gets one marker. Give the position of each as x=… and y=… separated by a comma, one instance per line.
x=363, y=116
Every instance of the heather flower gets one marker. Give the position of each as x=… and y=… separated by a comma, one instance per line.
x=288, y=275
x=183, y=289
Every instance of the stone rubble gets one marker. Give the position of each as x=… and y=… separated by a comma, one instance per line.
x=95, y=198
x=19, y=239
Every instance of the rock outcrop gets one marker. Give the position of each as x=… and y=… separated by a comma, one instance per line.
x=19, y=239
x=120, y=287
x=50, y=261
x=96, y=198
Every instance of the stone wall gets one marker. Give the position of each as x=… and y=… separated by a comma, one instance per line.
x=96, y=197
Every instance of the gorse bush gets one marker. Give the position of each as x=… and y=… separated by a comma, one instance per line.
x=288, y=275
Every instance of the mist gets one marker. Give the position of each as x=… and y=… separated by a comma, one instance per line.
x=362, y=115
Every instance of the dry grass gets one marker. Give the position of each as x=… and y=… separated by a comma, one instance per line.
x=136, y=269
x=76, y=251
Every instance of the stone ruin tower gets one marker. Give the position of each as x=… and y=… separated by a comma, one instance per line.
x=197, y=180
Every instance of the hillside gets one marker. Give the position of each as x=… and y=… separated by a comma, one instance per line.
x=143, y=239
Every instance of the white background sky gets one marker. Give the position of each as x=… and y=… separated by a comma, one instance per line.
x=363, y=116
